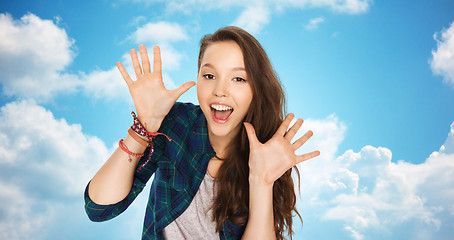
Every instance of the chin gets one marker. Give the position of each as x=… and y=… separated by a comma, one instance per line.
x=220, y=131
x=227, y=131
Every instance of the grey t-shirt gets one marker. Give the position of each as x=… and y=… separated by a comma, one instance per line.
x=196, y=221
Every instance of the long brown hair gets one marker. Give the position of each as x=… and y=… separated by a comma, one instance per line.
x=266, y=114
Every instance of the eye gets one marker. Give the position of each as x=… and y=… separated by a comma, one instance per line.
x=208, y=76
x=239, y=79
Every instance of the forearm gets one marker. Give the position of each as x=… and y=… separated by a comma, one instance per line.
x=114, y=179
x=261, y=219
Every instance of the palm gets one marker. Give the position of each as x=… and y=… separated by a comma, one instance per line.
x=271, y=160
x=151, y=99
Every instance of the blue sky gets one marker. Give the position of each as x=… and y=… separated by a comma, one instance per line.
x=374, y=80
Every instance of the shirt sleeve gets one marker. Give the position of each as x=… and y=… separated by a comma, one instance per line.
x=99, y=213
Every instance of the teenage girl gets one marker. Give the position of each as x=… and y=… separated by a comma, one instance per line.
x=222, y=169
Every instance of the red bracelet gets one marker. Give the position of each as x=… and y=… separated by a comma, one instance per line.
x=126, y=150
x=137, y=138
x=140, y=129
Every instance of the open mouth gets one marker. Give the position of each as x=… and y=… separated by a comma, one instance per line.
x=220, y=112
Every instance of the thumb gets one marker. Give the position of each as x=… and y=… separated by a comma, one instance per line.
x=250, y=131
x=183, y=88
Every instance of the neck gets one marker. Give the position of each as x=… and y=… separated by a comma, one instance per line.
x=219, y=145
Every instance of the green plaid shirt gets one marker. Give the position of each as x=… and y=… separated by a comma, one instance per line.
x=178, y=167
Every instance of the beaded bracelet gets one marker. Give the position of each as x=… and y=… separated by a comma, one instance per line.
x=125, y=149
x=142, y=131
x=138, y=128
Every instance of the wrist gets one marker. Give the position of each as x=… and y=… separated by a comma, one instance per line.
x=133, y=145
x=152, y=125
x=260, y=181
x=141, y=130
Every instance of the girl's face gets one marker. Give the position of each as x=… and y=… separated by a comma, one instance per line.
x=223, y=89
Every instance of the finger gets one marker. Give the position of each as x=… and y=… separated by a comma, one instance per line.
x=302, y=140
x=144, y=58
x=182, y=89
x=284, y=126
x=307, y=156
x=294, y=129
x=157, y=64
x=135, y=63
x=250, y=131
x=124, y=74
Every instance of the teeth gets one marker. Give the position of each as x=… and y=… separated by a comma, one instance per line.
x=221, y=107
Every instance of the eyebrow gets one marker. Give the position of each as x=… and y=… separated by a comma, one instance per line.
x=233, y=69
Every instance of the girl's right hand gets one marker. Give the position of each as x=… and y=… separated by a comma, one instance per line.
x=151, y=99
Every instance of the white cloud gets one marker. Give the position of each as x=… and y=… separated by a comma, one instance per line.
x=190, y=6
x=253, y=18
x=45, y=162
x=355, y=235
x=328, y=134
x=369, y=193
x=137, y=21
x=314, y=23
x=317, y=174
x=257, y=14
x=33, y=54
x=16, y=221
x=36, y=140
x=343, y=6
x=347, y=6
x=162, y=34
x=171, y=58
x=43, y=176
x=386, y=193
x=159, y=32
x=442, y=62
x=109, y=84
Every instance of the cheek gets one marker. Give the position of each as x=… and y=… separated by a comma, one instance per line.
x=203, y=95
x=201, y=91
x=245, y=98
x=249, y=95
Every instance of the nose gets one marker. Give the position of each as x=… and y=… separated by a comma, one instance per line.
x=221, y=88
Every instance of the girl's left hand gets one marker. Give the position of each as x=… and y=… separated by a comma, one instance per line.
x=269, y=161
